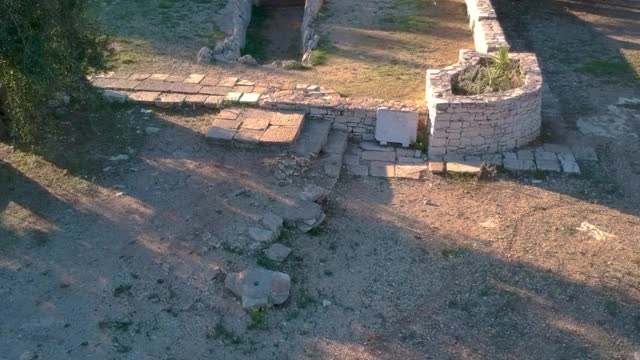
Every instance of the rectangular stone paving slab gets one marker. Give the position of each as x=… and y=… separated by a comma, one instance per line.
x=158, y=77
x=220, y=135
x=250, y=98
x=195, y=99
x=169, y=100
x=228, y=82
x=154, y=85
x=248, y=136
x=233, y=97
x=144, y=97
x=209, y=81
x=214, y=101
x=280, y=135
x=194, y=78
x=185, y=88
x=258, y=126
x=119, y=84
x=389, y=156
x=214, y=90
x=175, y=78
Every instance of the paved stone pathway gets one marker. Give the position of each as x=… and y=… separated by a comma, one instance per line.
x=251, y=126
x=303, y=116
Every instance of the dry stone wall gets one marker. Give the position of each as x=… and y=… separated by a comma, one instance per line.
x=483, y=124
x=488, y=35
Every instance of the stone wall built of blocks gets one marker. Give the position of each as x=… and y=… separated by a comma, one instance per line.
x=488, y=35
x=483, y=124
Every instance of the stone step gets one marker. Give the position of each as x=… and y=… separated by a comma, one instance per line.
x=252, y=127
x=336, y=143
x=333, y=155
x=313, y=137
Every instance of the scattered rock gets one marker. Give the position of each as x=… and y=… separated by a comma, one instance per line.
x=314, y=193
x=277, y=252
x=151, y=130
x=273, y=222
x=205, y=56
x=259, y=287
x=326, y=303
x=261, y=235
x=248, y=60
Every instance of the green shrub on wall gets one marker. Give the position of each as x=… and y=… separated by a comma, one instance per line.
x=45, y=47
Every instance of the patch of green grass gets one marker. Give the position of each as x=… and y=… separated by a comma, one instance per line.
x=305, y=299
x=267, y=263
x=409, y=16
x=607, y=69
x=258, y=319
x=319, y=56
x=215, y=35
x=257, y=43
x=453, y=253
x=221, y=332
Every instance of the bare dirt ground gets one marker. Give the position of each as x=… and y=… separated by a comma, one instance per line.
x=375, y=49
x=125, y=259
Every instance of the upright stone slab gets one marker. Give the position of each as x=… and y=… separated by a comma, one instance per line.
x=394, y=126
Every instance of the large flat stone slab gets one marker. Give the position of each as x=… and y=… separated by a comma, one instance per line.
x=394, y=126
x=256, y=127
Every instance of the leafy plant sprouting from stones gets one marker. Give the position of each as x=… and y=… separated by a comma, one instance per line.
x=258, y=317
x=494, y=74
x=221, y=332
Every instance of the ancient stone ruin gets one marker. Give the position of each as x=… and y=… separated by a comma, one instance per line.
x=230, y=48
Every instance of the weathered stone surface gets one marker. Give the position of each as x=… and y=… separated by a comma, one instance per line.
x=518, y=165
x=204, y=56
x=273, y=222
x=279, y=135
x=195, y=99
x=358, y=170
x=314, y=193
x=175, y=78
x=214, y=101
x=255, y=123
x=139, y=76
x=220, y=134
x=160, y=77
x=185, y=88
x=467, y=167
x=154, y=85
x=548, y=165
x=259, y=287
x=382, y=169
x=248, y=136
x=248, y=60
x=250, y=98
x=436, y=167
x=144, y=97
x=229, y=114
x=115, y=96
x=372, y=146
x=583, y=152
x=569, y=163
x=261, y=234
x=277, y=252
x=394, y=126
x=228, y=82
x=233, y=96
x=388, y=156
x=194, y=78
x=209, y=81
x=170, y=100
x=214, y=90
x=313, y=137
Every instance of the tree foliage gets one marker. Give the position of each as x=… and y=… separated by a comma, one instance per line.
x=45, y=47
